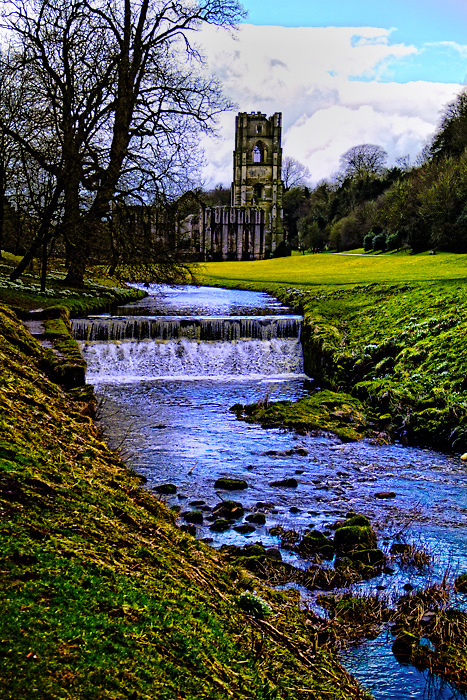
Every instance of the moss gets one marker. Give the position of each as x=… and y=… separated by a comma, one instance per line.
x=354, y=537
x=315, y=542
x=322, y=411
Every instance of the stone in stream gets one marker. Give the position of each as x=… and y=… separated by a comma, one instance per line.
x=193, y=516
x=274, y=553
x=166, y=489
x=230, y=484
x=257, y=518
x=405, y=645
x=385, y=494
x=220, y=525
x=315, y=542
x=230, y=510
x=370, y=557
x=244, y=529
x=261, y=505
x=285, y=483
x=356, y=534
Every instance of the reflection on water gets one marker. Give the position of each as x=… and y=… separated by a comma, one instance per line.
x=205, y=301
x=181, y=430
x=375, y=666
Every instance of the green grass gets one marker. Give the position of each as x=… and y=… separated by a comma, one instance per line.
x=333, y=270
x=100, y=291
x=390, y=330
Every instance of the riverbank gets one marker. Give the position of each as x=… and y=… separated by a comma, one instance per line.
x=103, y=595
x=390, y=331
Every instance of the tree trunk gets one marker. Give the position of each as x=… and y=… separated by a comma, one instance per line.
x=77, y=243
x=43, y=236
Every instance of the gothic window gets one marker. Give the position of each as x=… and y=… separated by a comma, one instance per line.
x=259, y=128
x=258, y=153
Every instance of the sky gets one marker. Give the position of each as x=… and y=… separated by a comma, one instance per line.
x=342, y=72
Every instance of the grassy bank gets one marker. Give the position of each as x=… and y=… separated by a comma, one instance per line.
x=103, y=596
x=390, y=330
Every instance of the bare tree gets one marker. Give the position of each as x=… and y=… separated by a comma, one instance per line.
x=294, y=173
x=363, y=160
x=115, y=87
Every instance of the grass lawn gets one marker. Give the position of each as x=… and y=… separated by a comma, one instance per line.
x=323, y=269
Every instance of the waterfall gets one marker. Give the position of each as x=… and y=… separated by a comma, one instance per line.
x=188, y=359
x=108, y=328
x=144, y=348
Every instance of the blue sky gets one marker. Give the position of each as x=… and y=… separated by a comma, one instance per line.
x=434, y=25
x=342, y=72
x=418, y=21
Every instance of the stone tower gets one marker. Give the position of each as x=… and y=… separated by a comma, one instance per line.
x=257, y=170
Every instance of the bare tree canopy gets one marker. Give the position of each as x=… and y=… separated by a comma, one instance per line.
x=115, y=99
x=294, y=173
x=363, y=160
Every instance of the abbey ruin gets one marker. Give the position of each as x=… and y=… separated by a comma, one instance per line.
x=251, y=227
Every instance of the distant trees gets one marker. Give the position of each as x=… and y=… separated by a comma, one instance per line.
x=112, y=103
x=363, y=160
x=414, y=206
x=450, y=138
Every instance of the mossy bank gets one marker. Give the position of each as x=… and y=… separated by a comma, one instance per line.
x=399, y=347
x=103, y=596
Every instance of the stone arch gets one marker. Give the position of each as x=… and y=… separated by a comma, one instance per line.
x=258, y=192
x=259, y=152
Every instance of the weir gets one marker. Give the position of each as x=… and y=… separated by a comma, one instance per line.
x=129, y=348
x=201, y=328
x=133, y=361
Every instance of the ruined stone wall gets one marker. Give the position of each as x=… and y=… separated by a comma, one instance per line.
x=227, y=233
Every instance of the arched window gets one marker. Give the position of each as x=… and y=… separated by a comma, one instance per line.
x=258, y=192
x=258, y=153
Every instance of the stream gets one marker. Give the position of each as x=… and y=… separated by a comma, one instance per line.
x=167, y=370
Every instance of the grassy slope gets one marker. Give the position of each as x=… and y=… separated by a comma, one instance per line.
x=390, y=329
x=102, y=595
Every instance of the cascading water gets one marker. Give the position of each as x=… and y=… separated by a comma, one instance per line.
x=179, y=431
x=185, y=359
x=111, y=328
x=158, y=347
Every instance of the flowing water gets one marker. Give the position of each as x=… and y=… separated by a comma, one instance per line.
x=167, y=370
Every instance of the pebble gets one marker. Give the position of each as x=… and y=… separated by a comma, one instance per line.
x=285, y=483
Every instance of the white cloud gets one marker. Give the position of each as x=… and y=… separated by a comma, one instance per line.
x=325, y=81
